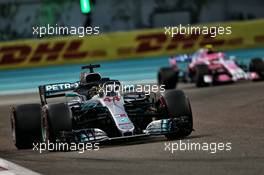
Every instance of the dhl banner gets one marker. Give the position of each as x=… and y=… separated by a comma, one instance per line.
x=124, y=45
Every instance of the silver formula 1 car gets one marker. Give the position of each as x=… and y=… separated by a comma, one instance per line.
x=95, y=110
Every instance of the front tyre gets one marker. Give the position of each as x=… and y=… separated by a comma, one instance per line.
x=25, y=125
x=168, y=77
x=55, y=118
x=257, y=65
x=178, y=106
x=200, y=72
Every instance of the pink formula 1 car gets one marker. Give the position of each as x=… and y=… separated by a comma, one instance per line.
x=207, y=67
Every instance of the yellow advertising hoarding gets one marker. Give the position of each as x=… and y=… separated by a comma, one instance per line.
x=124, y=45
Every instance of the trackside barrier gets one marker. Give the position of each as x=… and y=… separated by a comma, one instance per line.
x=124, y=45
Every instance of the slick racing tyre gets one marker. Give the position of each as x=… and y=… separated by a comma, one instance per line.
x=168, y=77
x=201, y=71
x=55, y=118
x=25, y=124
x=178, y=106
x=257, y=65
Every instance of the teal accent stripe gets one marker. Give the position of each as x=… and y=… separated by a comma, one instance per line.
x=128, y=71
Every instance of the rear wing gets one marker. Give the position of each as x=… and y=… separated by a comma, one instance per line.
x=55, y=90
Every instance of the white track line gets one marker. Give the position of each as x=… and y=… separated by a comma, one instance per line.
x=9, y=168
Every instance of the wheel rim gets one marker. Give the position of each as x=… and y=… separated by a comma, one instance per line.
x=13, y=127
x=44, y=128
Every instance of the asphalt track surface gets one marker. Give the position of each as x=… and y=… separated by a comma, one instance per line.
x=231, y=113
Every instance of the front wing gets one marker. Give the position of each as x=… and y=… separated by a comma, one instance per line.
x=157, y=127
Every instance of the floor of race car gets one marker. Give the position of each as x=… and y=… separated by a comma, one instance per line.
x=232, y=113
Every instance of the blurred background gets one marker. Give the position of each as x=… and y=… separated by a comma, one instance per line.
x=18, y=16
x=127, y=29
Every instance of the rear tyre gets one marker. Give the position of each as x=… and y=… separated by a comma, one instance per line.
x=178, y=105
x=168, y=77
x=257, y=65
x=201, y=71
x=55, y=118
x=25, y=124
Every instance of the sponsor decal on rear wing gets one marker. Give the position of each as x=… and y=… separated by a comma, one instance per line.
x=55, y=90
